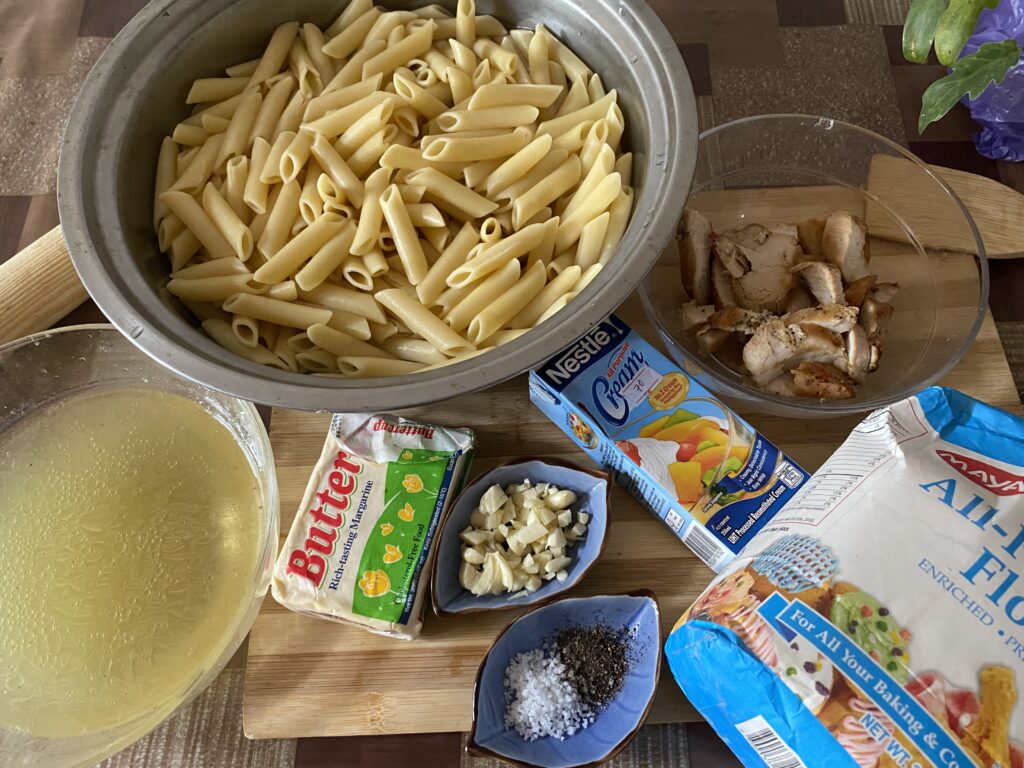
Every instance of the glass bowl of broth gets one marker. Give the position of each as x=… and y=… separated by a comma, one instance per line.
x=138, y=529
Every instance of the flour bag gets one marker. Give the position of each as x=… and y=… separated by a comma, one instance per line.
x=878, y=619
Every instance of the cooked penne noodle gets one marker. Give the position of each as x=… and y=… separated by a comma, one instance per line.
x=183, y=247
x=561, y=180
x=375, y=263
x=518, y=165
x=456, y=120
x=235, y=177
x=189, y=135
x=542, y=170
x=588, y=251
x=220, y=331
x=316, y=361
x=299, y=250
x=328, y=258
x=492, y=96
x=483, y=294
x=616, y=126
x=195, y=218
x=214, y=268
x=369, y=154
x=490, y=231
x=291, y=117
x=537, y=55
x=311, y=203
x=372, y=367
x=337, y=169
x=595, y=88
x=343, y=44
x=433, y=283
x=213, y=124
x=603, y=165
x=313, y=39
x=598, y=201
x=558, y=265
x=624, y=165
x=200, y=168
x=339, y=343
x=424, y=215
x=450, y=195
x=353, y=325
x=356, y=273
x=224, y=218
x=418, y=98
x=379, y=332
x=498, y=312
x=288, y=313
x=343, y=97
x=236, y=137
x=412, y=349
x=545, y=249
x=166, y=171
x=295, y=155
x=223, y=109
x=460, y=83
x=617, y=223
x=407, y=243
x=170, y=227
x=245, y=69
x=210, y=89
x=217, y=288
x=596, y=140
x=246, y=330
x=577, y=98
x=271, y=109
x=419, y=319
x=493, y=256
x=282, y=216
x=286, y=291
x=415, y=44
x=465, y=22
x=456, y=148
x=560, y=285
x=275, y=53
x=352, y=71
x=271, y=173
x=254, y=194
x=363, y=128
x=340, y=299
x=572, y=140
x=592, y=112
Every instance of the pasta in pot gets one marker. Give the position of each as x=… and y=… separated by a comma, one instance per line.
x=399, y=191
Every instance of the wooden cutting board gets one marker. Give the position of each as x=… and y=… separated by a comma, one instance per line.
x=307, y=677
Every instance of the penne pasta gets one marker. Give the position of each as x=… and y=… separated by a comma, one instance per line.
x=355, y=271
x=457, y=148
x=492, y=96
x=369, y=367
x=282, y=216
x=561, y=180
x=246, y=330
x=617, y=223
x=236, y=174
x=340, y=299
x=192, y=215
x=537, y=55
x=414, y=262
x=256, y=190
x=227, y=222
x=275, y=53
x=299, y=249
x=346, y=41
x=221, y=332
x=482, y=294
x=236, y=137
x=288, y=313
x=216, y=288
x=588, y=251
x=493, y=256
x=412, y=349
x=598, y=201
x=548, y=295
x=314, y=42
x=419, y=319
x=450, y=195
x=166, y=171
x=498, y=312
x=327, y=258
x=339, y=343
x=456, y=120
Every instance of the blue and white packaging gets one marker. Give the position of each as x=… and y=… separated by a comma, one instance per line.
x=696, y=465
x=878, y=620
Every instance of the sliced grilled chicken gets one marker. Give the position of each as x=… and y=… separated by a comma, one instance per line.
x=858, y=353
x=764, y=289
x=823, y=381
x=738, y=319
x=809, y=232
x=758, y=247
x=731, y=256
x=834, y=317
x=875, y=352
x=781, y=385
x=885, y=292
x=799, y=298
x=820, y=345
x=824, y=281
x=858, y=290
x=711, y=341
x=696, y=315
x=873, y=316
x=770, y=349
x=721, y=285
x=843, y=244
x=695, y=238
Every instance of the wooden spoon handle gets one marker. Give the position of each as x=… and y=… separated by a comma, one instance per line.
x=38, y=286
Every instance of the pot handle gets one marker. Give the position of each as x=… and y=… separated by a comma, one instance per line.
x=38, y=286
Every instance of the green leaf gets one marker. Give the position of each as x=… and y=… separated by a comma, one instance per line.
x=971, y=75
x=956, y=25
x=919, y=29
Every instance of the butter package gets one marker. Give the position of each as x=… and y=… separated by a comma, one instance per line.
x=878, y=620
x=362, y=540
x=712, y=478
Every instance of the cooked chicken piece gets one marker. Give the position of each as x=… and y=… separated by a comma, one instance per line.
x=885, y=292
x=781, y=385
x=695, y=315
x=695, y=237
x=822, y=381
x=824, y=281
x=711, y=341
x=738, y=319
x=858, y=356
x=873, y=316
x=756, y=247
x=858, y=290
x=834, y=317
x=769, y=350
x=799, y=298
x=731, y=256
x=721, y=285
x=809, y=232
x=842, y=244
x=820, y=345
x=875, y=353
x=764, y=289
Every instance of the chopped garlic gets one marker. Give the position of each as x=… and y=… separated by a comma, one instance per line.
x=517, y=538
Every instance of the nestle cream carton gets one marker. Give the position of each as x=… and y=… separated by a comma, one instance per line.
x=710, y=476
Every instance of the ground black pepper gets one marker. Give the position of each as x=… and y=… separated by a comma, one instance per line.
x=596, y=662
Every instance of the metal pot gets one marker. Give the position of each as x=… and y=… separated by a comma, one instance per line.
x=136, y=94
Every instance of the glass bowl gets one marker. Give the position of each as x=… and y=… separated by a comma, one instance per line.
x=784, y=168
x=41, y=370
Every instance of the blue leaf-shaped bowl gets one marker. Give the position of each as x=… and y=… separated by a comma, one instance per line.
x=616, y=724
x=592, y=489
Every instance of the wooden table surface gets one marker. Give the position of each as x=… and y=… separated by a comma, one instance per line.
x=834, y=57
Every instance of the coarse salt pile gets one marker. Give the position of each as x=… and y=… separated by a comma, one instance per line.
x=541, y=700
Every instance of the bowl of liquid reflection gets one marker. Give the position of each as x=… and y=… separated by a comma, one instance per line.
x=137, y=534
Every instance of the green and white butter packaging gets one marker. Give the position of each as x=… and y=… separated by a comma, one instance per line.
x=362, y=541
